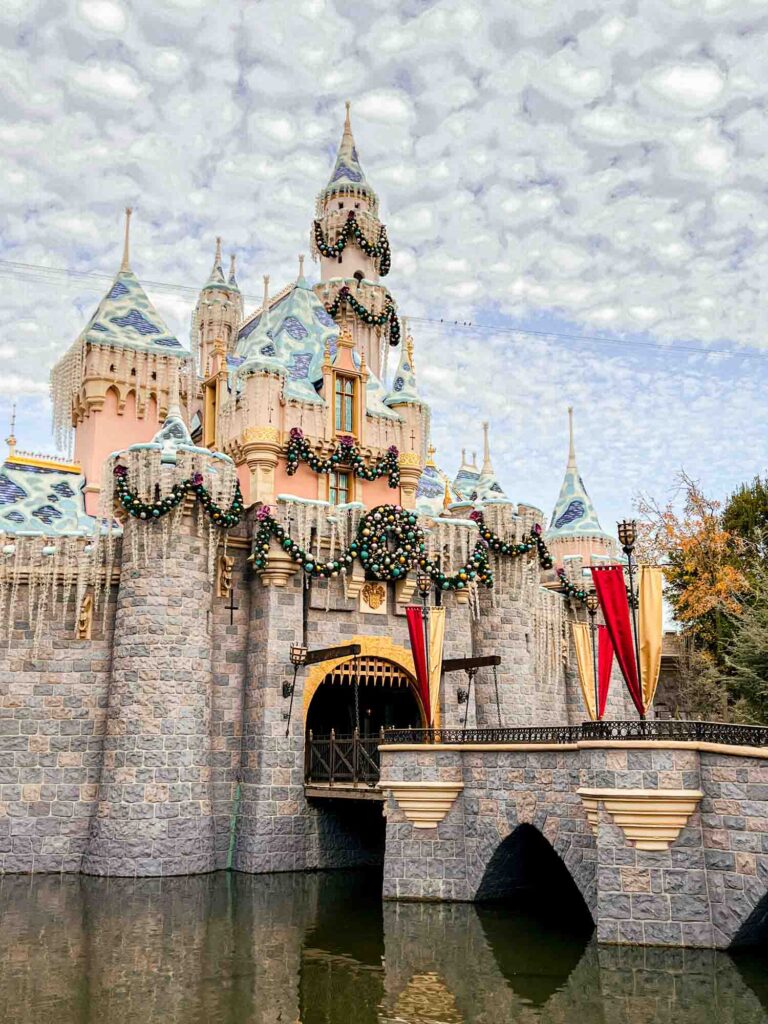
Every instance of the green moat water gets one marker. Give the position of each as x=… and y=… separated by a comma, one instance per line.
x=322, y=949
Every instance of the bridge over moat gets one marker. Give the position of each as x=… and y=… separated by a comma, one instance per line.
x=662, y=826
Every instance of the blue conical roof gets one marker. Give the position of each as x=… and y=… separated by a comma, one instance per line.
x=126, y=318
x=404, y=390
x=574, y=514
x=347, y=170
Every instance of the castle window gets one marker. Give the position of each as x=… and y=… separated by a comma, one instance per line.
x=338, y=488
x=341, y=206
x=344, y=393
x=133, y=372
x=358, y=276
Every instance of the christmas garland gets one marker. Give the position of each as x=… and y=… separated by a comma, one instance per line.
x=374, y=319
x=139, y=509
x=346, y=453
x=379, y=250
x=392, y=523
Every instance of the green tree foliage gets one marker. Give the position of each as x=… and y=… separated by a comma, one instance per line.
x=746, y=672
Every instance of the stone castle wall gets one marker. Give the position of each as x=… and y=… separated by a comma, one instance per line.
x=138, y=750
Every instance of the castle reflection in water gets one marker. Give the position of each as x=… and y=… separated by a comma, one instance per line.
x=321, y=949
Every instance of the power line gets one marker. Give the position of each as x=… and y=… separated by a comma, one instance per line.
x=470, y=325
x=11, y=268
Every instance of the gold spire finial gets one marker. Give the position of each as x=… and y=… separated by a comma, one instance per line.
x=347, y=122
x=487, y=467
x=463, y=457
x=571, y=445
x=474, y=460
x=446, y=495
x=431, y=456
x=126, y=265
x=301, y=265
x=217, y=256
x=265, y=300
x=232, y=264
x=11, y=439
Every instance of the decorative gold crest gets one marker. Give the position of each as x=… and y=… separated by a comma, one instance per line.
x=374, y=595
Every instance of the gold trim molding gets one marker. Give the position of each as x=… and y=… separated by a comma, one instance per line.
x=652, y=819
x=424, y=804
x=408, y=460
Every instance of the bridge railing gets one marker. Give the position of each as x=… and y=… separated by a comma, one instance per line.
x=666, y=729
x=333, y=760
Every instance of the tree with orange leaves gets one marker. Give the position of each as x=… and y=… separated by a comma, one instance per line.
x=702, y=561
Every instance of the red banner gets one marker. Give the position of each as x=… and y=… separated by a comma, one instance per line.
x=418, y=646
x=612, y=594
x=604, y=667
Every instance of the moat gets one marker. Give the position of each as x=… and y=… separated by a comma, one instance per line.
x=323, y=949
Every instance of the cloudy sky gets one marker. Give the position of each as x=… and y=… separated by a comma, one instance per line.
x=594, y=171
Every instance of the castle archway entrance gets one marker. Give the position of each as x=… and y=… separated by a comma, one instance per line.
x=386, y=698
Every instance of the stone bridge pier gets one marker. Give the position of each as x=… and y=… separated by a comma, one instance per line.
x=662, y=842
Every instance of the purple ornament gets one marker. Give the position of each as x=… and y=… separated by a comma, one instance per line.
x=197, y=479
x=393, y=450
x=297, y=434
x=263, y=513
x=536, y=530
x=476, y=516
x=121, y=471
x=347, y=442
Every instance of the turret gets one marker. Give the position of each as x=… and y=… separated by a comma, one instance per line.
x=351, y=243
x=405, y=399
x=112, y=386
x=218, y=314
x=574, y=529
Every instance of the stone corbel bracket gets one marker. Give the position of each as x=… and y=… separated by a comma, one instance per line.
x=424, y=804
x=652, y=819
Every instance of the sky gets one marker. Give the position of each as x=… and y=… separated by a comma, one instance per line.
x=593, y=171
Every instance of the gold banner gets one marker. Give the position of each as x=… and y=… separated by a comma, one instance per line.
x=650, y=629
x=586, y=666
x=436, y=638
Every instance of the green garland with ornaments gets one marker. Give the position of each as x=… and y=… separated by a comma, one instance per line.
x=225, y=518
x=389, y=544
x=379, y=250
x=388, y=316
x=346, y=453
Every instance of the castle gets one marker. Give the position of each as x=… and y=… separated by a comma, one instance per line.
x=272, y=486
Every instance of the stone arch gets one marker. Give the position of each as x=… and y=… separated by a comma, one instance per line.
x=527, y=864
x=370, y=646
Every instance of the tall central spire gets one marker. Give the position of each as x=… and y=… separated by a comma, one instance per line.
x=347, y=170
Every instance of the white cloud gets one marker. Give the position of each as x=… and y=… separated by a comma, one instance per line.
x=107, y=82
x=104, y=15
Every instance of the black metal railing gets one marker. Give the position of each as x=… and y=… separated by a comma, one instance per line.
x=671, y=729
x=342, y=760
x=667, y=729
x=533, y=734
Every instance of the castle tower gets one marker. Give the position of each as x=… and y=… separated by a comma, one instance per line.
x=351, y=244
x=154, y=814
x=404, y=398
x=218, y=314
x=574, y=530
x=112, y=386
